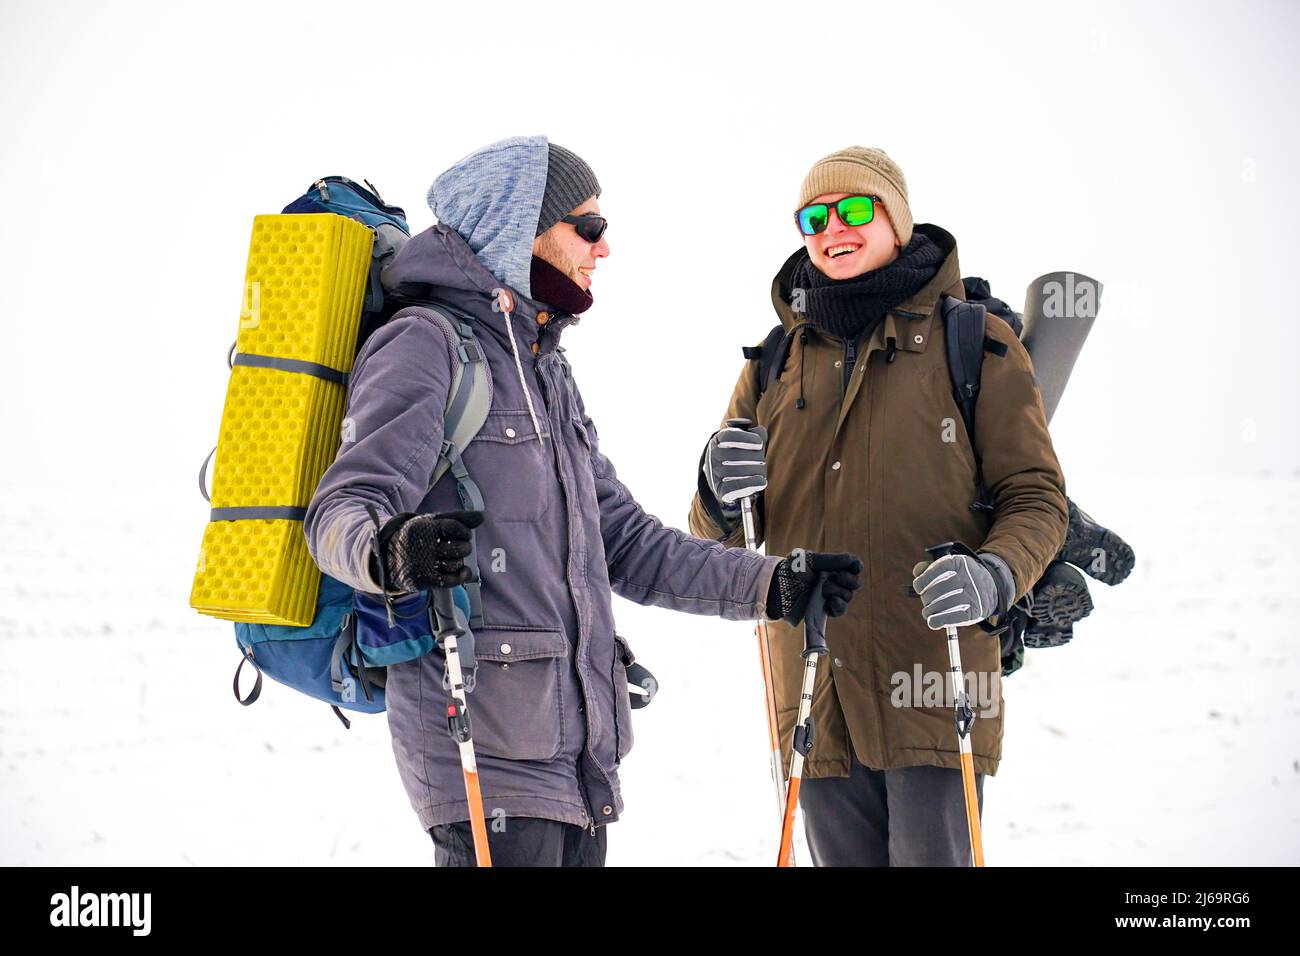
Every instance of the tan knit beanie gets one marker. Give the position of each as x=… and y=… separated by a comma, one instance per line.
x=862, y=171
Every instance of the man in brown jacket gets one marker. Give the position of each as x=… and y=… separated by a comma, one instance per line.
x=860, y=448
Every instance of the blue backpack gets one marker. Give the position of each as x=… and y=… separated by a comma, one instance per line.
x=341, y=656
x=340, y=195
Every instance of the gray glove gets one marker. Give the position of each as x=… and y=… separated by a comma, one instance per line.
x=957, y=589
x=734, y=465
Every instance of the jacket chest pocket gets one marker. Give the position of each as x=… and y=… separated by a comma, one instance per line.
x=517, y=707
x=511, y=467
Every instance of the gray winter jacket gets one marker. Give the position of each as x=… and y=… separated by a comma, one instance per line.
x=550, y=711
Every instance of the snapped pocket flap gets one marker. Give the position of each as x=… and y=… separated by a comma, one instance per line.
x=510, y=427
x=491, y=644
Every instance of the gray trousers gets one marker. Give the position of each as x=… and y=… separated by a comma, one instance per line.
x=912, y=816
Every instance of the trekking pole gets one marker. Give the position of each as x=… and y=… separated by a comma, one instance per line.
x=964, y=718
x=764, y=651
x=814, y=646
x=451, y=628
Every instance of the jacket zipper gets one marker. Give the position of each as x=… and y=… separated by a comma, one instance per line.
x=850, y=357
x=582, y=684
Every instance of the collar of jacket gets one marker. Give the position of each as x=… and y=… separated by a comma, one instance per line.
x=438, y=264
x=909, y=321
x=529, y=331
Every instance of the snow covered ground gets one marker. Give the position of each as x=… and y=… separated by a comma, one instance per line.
x=1167, y=733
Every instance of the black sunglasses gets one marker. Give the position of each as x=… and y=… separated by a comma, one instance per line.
x=590, y=226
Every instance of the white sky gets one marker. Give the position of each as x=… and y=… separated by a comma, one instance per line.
x=1151, y=145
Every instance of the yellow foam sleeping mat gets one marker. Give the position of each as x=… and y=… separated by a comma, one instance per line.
x=303, y=293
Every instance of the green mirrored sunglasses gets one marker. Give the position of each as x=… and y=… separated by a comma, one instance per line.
x=852, y=210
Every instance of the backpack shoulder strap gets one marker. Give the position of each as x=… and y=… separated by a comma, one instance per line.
x=468, y=402
x=771, y=356
x=963, y=327
x=470, y=395
x=964, y=344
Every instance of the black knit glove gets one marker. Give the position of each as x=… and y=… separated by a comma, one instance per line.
x=795, y=577
x=425, y=550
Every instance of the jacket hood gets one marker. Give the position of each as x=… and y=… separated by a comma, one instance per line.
x=439, y=265
x=435, y=261
x=493, y=198
x=922, y=303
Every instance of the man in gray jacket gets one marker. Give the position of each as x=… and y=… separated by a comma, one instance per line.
x=518, y=240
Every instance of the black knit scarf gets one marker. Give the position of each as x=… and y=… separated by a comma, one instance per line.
x=554, y=288
x=847, y=308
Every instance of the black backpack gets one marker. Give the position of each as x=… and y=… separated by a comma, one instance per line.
x=965, y=345
x=965, y=342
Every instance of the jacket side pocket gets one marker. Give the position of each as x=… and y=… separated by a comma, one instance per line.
x=623, y=659
x=517, y=706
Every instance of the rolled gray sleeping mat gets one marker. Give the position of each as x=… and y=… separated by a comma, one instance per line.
x=1060, y=308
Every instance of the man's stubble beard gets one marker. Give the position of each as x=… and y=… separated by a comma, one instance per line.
x=550, y=251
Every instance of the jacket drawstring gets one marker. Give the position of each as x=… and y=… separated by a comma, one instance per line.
x=803, y=360
x=505, y=303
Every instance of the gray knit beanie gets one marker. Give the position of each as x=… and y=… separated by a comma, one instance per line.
x=569, y=183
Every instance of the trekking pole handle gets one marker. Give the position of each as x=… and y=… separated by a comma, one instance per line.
x=949, y=547
x=444, y=606
x=942, y=551
x=814, y=622
x=965, y=717
x=746, y=503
